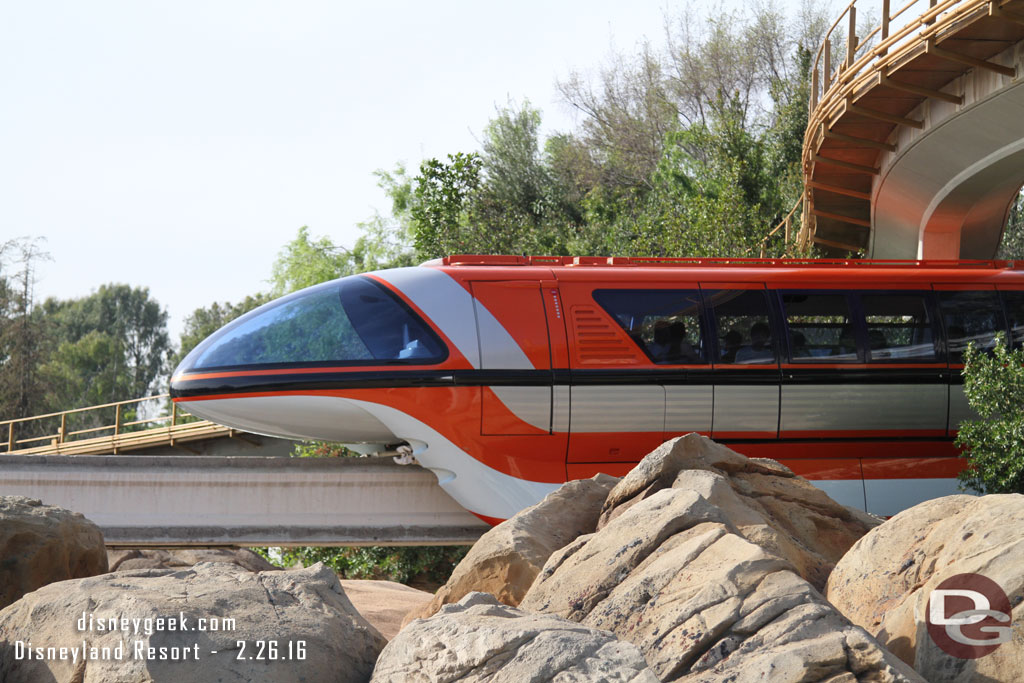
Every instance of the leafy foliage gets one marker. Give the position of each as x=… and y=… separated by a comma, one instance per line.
x=1012, y=244
x=431, y=565
x=441, y=210
x=994, y=385
x=136, y=344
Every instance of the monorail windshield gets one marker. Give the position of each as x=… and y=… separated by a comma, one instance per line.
x=352, y=321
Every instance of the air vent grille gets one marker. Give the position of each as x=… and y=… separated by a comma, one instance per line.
x=598, y=340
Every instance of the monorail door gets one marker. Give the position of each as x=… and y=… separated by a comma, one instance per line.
x=518, y=418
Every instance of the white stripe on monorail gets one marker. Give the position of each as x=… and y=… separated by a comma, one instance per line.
x=481, y=489
x=211, y=500
x=450, y=307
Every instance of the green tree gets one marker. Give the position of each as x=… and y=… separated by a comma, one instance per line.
x=305, y=261
x=994, y=444
x=387, y=241
x=23, y=332
x=84, y=372
x=443, y=195
x=136, y=325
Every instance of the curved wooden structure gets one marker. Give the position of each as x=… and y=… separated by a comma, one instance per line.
x=885, y=173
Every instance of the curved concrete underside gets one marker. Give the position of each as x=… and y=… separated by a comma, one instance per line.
x=947, y=191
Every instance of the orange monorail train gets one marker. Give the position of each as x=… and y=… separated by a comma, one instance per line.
x=509, y=375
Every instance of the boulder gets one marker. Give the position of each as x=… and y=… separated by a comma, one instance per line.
x=764, y=500
x=885, y=582
x=384, y=603
x=506, y=559
x=207, y=623
x=121, y=559
x=40, y=544
x=480, y=639
x=673, y=575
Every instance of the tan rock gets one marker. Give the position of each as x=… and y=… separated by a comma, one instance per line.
x=298, y=621
x=123, y=559
x=885, y=581
x=767, y=503
x=672, y=575
x=40, y=544
x=506, y=559
x=384, y=603
x=480, y=639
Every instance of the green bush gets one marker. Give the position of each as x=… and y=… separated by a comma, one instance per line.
x=424, y=565
x=994, y=444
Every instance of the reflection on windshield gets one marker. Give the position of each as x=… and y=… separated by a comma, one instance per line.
x=352, y=321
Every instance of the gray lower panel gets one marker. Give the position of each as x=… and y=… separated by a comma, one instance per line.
x=845, y=407
x=959, y=409
x=746, y=409
x=688, y=409
x=887, y=497
x=532, y=405
x=560, y=414
x=849, y=492
x=612, y=408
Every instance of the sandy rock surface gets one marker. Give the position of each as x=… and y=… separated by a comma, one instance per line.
x=480, y=639
x=123, y=559
x=506, y=559
x=384, y=604
x=764, y=500
x=303, y=608
x=40, y=544
x=886, y=580
x=674, y=576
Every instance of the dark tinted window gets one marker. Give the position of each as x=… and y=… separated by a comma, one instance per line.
x=970, y=317
x=820, y=328
x=1015, y=313
x=352, y=321
x=899, y=327
x=664, y=323
x=743, y=326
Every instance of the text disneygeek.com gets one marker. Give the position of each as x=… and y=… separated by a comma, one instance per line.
x=136, y=644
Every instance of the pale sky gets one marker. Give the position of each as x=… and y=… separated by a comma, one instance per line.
x=179, y=145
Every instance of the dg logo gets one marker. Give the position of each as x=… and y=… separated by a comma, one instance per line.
x=969, y=616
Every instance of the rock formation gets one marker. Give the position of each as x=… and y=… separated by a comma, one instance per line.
x=40, y=544
x=507, y=558
x=768, y=504
x=287, y=626
x=123, y=559
x=384, y=603
x=480, y=639
x=886, y=580
x=674, y=576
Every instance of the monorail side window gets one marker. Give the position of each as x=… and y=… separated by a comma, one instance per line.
x=899, y=327
x=743, y=325
x=664, y=323
x=820, y=328
x=1014, y=302
x=970, y=316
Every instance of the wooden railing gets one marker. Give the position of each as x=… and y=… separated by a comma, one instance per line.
x=892, y=38
x=55, y=432
x=786, y=226
x=831, y=81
